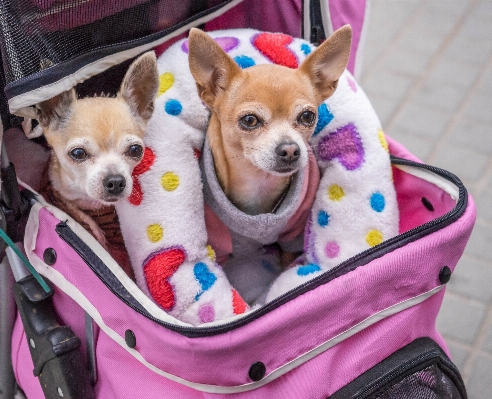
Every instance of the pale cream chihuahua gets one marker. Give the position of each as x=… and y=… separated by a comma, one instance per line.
x=96, y=142
x=262, y=117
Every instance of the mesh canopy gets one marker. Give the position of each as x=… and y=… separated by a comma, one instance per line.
x=429, y=383
x=43, y=41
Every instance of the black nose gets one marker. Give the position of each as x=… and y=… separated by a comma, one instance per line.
x=114, y=184
x=288, y=152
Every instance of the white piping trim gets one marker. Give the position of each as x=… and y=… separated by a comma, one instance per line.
x=59, y=280
x=359, y=55
x=46, y=92
x=326, y=18
x=433, y=178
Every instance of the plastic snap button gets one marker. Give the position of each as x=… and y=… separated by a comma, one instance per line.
x=130, y=339
x=444, y=275
x=257, y=371
x=49, y=256
x=427, y=204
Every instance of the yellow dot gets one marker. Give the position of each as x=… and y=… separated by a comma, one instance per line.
x=170, y=181
x=154, y=232
x=382, y=140
x=335, y=192
x=374, y=237
x=211, y=253
x=166, y=80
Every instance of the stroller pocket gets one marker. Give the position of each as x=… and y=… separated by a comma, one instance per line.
x=420, y=370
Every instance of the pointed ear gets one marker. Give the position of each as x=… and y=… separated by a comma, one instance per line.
x=210, y=66
x=140, y=85
x=325, y=65
x=55, y=110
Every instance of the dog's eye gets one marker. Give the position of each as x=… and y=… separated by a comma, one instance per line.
x=78, y=154
x=249, y=121
x=135, y=151
x=306, y=118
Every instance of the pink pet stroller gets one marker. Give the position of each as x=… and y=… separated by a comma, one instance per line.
x=365, y=329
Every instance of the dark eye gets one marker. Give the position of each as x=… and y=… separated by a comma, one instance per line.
x=135, y=151
x=306, y=118
x=78, y=154
x=249, y=121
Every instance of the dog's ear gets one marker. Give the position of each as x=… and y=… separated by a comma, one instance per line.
x=140, y=85
x=325, y=65
x=210, y=66
x=55, y=110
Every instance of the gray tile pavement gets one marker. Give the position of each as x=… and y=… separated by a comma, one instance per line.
x=428, y=72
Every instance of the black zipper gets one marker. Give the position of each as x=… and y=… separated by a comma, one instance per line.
x=362, y=258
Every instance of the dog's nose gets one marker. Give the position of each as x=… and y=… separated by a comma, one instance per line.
x=288, y=152
x=114, y=184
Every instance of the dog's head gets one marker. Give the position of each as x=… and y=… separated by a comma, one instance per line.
x=265, y=113
x=96, y=142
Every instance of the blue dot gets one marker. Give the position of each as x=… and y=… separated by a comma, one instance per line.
x=306, y=48
x=204, y=276
x=244, y=61
x=308, y=269
x=378, y=202
x=324, y=117
x=323, y=219
x=173, y=107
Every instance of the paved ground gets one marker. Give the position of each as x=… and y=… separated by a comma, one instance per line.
x=428, y=71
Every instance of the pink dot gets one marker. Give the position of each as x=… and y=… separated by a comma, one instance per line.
x=332, y=249
x=206, y=313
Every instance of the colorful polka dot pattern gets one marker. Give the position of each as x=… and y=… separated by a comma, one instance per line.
x=154, y=232
x=335, y=192
x=308, y=269
x=204, y=277
x=374, y=237
x=306, y=48
x=166, y=80
x=377, y=202
x=244, y=61
x=323, y=218
x=382, y=140
x=324, y=118
x=169, y=181
x=173, y=107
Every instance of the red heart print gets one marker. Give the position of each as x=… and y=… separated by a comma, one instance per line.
x=145, y=164
x=158, y=269
x=274, y=47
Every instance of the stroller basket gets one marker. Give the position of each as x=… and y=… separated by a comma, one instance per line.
x=364, y=329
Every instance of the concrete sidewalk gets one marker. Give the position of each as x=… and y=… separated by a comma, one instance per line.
x=428, y=72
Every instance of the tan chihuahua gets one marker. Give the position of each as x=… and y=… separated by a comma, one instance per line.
x=96, y=142
x=263, y=116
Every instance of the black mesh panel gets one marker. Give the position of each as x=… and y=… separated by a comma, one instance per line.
x=42, y=34
x=429, y=383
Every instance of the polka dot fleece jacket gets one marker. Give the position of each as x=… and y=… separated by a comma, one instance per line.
x=164, y=222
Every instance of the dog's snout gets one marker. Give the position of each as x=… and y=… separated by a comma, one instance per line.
x=114, y=184
x=288, y=152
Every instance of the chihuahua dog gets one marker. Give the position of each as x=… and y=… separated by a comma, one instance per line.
x=262, y=117
x=95, y=144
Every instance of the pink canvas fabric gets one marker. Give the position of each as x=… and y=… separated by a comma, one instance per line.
x=278, y=336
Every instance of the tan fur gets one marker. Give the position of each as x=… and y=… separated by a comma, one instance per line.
x=246, y=161
x=105, y=128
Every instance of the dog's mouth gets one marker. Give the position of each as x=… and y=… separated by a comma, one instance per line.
x=285, y=169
